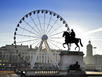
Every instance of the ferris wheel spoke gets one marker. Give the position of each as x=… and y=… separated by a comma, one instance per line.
x=52, y=26
x=56, y=34
x=39, y=22
x=55, y=41
x=44, y=21
x=30, y=26
x=49, y=23
x=55, y=30
x=26, y=41
x=54, y=45
x=28, y=30
x=35, y=42
x=26, y=36
x=35, y=25
x=55, y=37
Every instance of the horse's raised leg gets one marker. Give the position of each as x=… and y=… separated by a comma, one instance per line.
x=63, y=45
x=77, y=46
x=81, y=42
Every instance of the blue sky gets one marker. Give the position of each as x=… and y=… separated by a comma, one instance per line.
x=82, y=14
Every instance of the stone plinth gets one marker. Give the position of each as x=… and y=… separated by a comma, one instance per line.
x=68, y=58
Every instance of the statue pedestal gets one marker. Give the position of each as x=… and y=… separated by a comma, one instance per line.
x=71, y=62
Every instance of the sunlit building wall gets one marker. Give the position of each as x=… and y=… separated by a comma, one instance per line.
x=10, y=57
x=92, y=62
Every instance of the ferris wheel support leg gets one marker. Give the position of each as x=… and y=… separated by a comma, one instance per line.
x=35, y=57
x=50, y=53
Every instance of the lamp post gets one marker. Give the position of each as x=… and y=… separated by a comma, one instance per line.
x=94, y=49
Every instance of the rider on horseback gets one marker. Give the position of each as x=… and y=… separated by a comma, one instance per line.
x=72, y=35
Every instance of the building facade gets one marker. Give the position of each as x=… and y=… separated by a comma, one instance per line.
x=9, y=56
x=92, y=62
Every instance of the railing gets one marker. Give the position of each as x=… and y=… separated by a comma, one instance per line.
x=92, y=67
x=17, y=68
x=7, y=68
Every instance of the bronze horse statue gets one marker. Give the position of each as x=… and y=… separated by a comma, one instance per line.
x=69, y=41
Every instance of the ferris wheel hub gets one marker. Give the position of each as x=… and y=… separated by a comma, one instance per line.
x=44, y=37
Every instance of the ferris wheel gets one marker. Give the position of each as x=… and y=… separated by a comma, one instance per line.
x=42, y=29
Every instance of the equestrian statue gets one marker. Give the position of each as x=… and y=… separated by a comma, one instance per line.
x=70, y=38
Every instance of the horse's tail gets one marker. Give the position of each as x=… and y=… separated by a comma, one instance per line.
x=81, y=43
